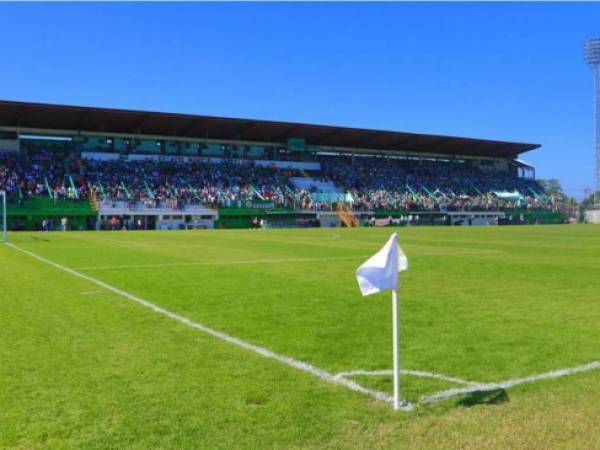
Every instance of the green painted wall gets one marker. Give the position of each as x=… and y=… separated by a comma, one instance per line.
x=30, y=215
x=213, y=150
x=147, y=146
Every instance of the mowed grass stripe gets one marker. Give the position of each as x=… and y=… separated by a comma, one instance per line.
x=219, y=263
x=273, y=261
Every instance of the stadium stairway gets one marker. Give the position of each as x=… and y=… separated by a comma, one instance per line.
x=93, y=201
x=346, y=216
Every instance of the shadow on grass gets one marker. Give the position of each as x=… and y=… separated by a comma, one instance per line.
x=492, y=397
x=39, y=239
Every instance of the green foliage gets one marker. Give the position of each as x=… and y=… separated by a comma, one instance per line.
x=551, y=186
x=81, y=367
x=590, y=200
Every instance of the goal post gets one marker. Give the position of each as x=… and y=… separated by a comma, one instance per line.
x=3, y=222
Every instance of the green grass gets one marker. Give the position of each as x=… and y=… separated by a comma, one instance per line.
x=81, y=367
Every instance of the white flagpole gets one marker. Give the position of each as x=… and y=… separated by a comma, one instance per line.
x=396, y=356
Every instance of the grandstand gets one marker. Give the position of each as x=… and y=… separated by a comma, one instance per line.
x=111, y=169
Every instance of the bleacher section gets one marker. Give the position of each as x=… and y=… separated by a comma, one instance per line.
x=157, y=170
x=178, y=191
x=314, y=185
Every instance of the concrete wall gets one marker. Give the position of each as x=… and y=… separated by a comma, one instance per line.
x=329, y=219
x=592, y=216
x=11, y=145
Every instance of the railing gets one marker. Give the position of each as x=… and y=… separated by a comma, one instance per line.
x=429, y=193
x=256, y=192
x=476, y=190
x=101, y=188
x=150, y=191
x=126, y=190
x=48, y=187
x=75, y=191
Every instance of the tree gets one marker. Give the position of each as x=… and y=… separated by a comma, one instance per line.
x=589, y=201
x=552, y=186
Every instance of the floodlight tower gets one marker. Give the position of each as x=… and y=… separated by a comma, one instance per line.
x=592, y=58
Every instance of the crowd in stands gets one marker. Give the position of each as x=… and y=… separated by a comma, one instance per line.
x=366, y=183
x=426, y=185
x=23, y=176
x=170, y=184
x=176, y=183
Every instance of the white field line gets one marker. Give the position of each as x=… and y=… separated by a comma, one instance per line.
x=296, y=364
x=119, y=242
x=415, y=373
x=91, y=292
x=443, y=395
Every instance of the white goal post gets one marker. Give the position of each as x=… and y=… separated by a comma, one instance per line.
x=4, y=235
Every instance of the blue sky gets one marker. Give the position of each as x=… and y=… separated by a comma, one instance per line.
x=509, y=71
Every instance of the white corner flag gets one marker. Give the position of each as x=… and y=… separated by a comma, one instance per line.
x=380, y=273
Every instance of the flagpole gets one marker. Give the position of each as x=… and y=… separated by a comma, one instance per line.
x=395, y=346
x=380, y=273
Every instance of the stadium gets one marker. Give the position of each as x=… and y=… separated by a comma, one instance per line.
x=113, y=169
x=174, y=277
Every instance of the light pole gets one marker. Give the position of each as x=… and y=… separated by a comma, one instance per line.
x=592, y=58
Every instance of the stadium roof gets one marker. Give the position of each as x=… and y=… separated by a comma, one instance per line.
x=108, y=120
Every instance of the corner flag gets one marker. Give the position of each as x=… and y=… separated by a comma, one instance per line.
x=380, y=273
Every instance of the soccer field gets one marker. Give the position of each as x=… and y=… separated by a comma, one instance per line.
x=260, y=339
